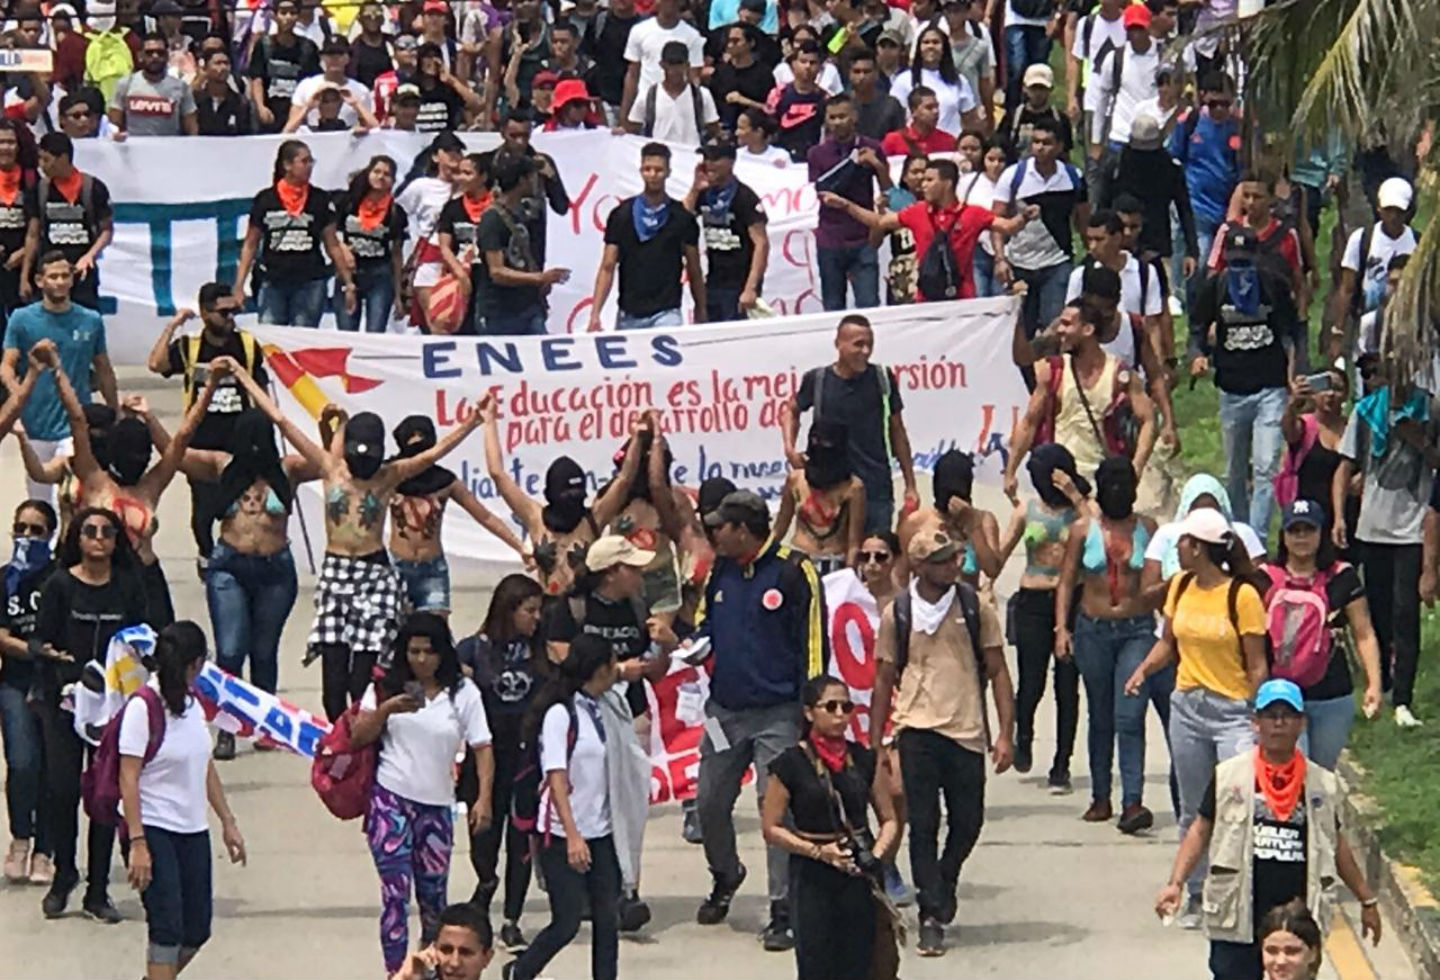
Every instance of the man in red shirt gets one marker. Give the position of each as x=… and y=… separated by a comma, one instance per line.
x=920, y=136
x=940, y=213
x=1257, y=201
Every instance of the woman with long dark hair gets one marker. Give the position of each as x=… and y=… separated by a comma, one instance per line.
x=577, y=846
x=934, y=68
x=904, y=267
x=825, y=500
x=428, y=187
x=94, y=592
x=506, y=660
x=826, y=787
x=291, y=231
x=458, y=230
x=373, y=229
x=423, y=713
x=166, y=782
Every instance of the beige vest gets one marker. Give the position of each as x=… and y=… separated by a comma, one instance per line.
x=1229, y=895
x=1072, y=426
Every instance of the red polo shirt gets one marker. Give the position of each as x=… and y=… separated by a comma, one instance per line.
x=903, y=142
x=963, y=223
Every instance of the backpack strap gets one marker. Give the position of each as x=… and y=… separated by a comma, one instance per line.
x=155, y=708
x=1357, y=296
x=248, y=348
x=650, y=99
x=192, y=354
x=576, y=604
x=900, y=609
x=1016, y=181
x=969, y=600
x=883, y=379
x=1118, y=66
x=87, y=192
x=697, y=103
x=1232, y=609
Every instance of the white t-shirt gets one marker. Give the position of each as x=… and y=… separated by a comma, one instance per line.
x=647, y=39
x=773, y=156
x=587, y=765
x=955, y=100
x=675, y=117
x=829, y=78
x=172, y=785
x=309, y=86
x=1137, y=298
x=423, y=201
x=1137, y=83
x=418, y=749
x=1035, y=246
x=1153, y=109
x=1105, y=36
x=979, y=190
x=1372, y=269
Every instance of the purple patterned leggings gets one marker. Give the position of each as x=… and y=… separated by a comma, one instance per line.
x=409, y=841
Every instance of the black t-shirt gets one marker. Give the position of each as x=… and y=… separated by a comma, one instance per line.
x=281, y=67
x=1343, y=588
x=230, y=115
x=856, y=403
x=441, y=108
x=875, y=119
x=622, y=624
x=507, y=681
x=501, y=233
x=801, y=118
x=1249, y=357
x=18, y=616
x=71, y=228
x=80, y=619
x=14, y=219
x=291, y=246
x=728, y=247
x=1277, y=866
x=372, y=247
x=230, y=399
x=811, y=804
x=464, y=233
x=367, y=62
x=650, y=271
x=609, y=54
x=767, y=52
x=753, y=82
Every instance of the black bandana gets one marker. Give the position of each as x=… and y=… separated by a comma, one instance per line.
x=414, y=435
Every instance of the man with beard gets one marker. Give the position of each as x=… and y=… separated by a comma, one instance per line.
x=563, y=526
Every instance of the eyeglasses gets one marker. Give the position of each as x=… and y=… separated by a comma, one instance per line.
x=837, y=706
x=24, y=529
x=875, y=557
x=1218, y=103
x=105, y=531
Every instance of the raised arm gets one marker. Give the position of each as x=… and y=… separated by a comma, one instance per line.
x=173, y=454
x=520, y=503
x=483, y=516
x=404, y=469
x=662, y=494
x=1024, y=434
x=159, y=360
x=293, y=434
x=612, y=501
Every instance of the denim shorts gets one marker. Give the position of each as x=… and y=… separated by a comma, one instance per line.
x=426, y=584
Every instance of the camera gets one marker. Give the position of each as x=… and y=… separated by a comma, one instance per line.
x=861, y=848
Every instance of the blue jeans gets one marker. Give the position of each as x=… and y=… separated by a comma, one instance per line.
x=664, y=318
x=527, y=323
x=1107, y=651
x=1045, y=295
x=857, y=266
x=291, y=304
x=1205, y=729
x=24, y=764
x=426, y=584
x=722, y=304
x=250, y=597
x=1025, y=45
x=985, y=282
x=374, y=299
x=1250, y=430
x=179, y=899
x=1327, y=729
x=879, y=514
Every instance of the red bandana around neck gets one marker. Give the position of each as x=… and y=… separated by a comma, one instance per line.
x=292, y=196
x=829, y=749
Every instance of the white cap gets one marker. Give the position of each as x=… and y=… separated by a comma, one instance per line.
x=611, y=550
x=1205, y=524
x=1396, y=193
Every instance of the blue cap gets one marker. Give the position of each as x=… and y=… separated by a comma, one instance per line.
x=1303, y=512
x=1286, y=692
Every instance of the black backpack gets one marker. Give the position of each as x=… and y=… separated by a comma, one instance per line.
x=969, y=601
x=938, y=276
x=529, y=779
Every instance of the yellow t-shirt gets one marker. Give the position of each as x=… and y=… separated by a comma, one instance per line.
x=1210, y=655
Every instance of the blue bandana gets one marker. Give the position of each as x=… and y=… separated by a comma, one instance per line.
x=715, y=203
x=648, y=220
x=31, y=555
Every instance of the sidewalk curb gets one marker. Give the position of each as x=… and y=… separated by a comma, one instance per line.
x=1406, y=902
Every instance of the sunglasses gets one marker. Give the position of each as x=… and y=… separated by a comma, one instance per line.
x=875, y=557
x=106, y=531
x=25, y=529
x=1218, y=103
x=837, y=706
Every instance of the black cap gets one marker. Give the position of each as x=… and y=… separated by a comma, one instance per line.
x=674, y=53
x=738, y=507
x=755, y=6
x=365, y=436
x=165, y=8
x=335, y=44
x=713, y=491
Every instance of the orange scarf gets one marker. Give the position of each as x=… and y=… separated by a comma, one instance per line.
x=69, y=187
x=372, y=210
x=475, y=206
x=292, y=198
x=1280, y=785
x=10, y=185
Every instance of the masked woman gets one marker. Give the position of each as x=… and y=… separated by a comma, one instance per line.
x=417, y=512
x=977, y=529
x=826, y=501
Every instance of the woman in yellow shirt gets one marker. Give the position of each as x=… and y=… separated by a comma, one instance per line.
x=1215, y=625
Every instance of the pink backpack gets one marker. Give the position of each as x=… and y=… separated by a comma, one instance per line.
x=1287, y=481
x=1297, y=618
x=341, y=774
x=100, y=783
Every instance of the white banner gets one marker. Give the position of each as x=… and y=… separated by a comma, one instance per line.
x=720, y=391
x=854, y=625
x=182, y=207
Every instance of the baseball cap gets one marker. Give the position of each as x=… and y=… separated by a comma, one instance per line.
x=544, y=79
x=165, y=8
x=570, y=90
x=1279, y=692
x=890, y=36
x=1136, y=15
x=713, y=492
x=737, y=507
x=612, y=550
x=932, y=547
x=1302, y=512
x=335, y=44
x=1205, y=524
x=674, y=53
x=1395, y=193
x=1145, y=132
x=1039, y=75
x=435, y=7
x=409, y=92
x=406, y=42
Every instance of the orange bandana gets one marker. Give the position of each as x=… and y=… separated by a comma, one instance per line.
x=9, y=185
x=372, y=210
x=1280, y=785
x=69, y=187
x=292, y=198
x=475, y=206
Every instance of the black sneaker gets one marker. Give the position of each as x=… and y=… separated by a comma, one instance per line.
x=512, y=938
x=634, y=913
x=1023, y=758
x=690, y=831
x=224, y=747
x=102, y=910
x=932, y=938
x=1058, y=782
x=1135, y=818
x=778, y=937
x=55, y=900
x=507, y=972
x=950, y=907
x=717, y=904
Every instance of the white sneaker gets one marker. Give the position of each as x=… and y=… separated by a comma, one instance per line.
x=1177, y=308
x=1404, y=719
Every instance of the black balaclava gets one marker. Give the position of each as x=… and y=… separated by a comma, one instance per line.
x=1045, y=461
x=564, y=496
x=100, y=419
x=1115, y=488
x=364, y=445
x=827, y=455
x=130, y=447
x=414, y=435
x=253, y=456
x=954, y=477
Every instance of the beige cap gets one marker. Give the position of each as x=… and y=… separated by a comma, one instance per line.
x=612, y=550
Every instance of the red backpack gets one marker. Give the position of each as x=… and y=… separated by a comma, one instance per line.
x=343, y=775
x=1297, y=625
x=100, y=782
x=1287, y=481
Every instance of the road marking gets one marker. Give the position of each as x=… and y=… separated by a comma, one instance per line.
x=1345, y=952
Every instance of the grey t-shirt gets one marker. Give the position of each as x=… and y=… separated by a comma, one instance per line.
x=153, y=108
x=1397, y=485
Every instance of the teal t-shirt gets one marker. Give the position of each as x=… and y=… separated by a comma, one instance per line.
x=79, y=334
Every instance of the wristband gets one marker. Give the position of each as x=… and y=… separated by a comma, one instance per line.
x=1370, y=903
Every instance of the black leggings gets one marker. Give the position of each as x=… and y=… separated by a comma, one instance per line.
x=344, y=676
x=568, y=889
x=485, y=846
x=834, y=918
x=1034, y=637
x=65, y=756
x=1392, y=588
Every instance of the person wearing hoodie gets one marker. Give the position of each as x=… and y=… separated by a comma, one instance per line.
x=825, y=500
x=1148, y=171
x=417, y=512
x=976, y=532
x=1162, y=557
